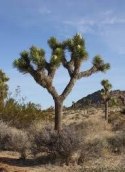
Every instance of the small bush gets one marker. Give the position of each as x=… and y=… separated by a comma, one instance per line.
x=117, y=142
x=117, y=120
x=68, y=142
x=4, y=136
x=93, y=149
x=123, y=111
x=62, y=145
x=42, y=139
x=13, y=139
x=19, y=142
x=21, y=115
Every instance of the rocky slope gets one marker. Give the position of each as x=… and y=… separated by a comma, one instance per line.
x=95, y=100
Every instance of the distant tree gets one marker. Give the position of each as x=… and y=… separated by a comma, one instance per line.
x=3, y=87
x=105, y=92
x=73, y=104
x=34, y=62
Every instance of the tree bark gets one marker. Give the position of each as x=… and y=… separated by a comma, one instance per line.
x=106, y=111
x=58, y=114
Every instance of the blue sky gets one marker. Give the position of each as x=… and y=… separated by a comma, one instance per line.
x=24, y=23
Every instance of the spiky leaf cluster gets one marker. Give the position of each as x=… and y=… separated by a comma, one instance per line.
x=76, y=46
x=105, y=92
x=98, y=62
x=56, y=57
x=53, y=43
x=35, y=56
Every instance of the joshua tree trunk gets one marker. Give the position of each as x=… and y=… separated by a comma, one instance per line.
x=58, y=114
x=106, y=110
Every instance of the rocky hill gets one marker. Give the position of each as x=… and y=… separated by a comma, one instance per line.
x=94, y=99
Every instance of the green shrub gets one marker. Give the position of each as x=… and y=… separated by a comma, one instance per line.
x=22, y=115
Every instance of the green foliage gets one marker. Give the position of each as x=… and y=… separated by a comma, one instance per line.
x=53, y=43
x=35, y=56
x=98, y=62
x=14, y=110
x=76, y=46
x=21, y=114
x=78, y=40
x=56, y=58
x=114, y=102
x=107, y=86
x=105, y=92
x=21, y=64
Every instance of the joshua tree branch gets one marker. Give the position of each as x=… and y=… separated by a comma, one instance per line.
x=87, y=73
x=71, y=83
x=51, y=70
x=44, y=81
x=68, y=88
x=68, y=65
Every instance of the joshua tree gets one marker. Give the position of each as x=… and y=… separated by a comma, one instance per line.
x=34, y=62
x=3, y=87
x=106, y=95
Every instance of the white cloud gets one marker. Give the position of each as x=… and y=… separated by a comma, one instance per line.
x=113, y=20
x=107, y=12
x=110, y=26
x=90, y=23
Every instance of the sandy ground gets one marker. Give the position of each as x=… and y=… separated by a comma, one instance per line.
x=10, y=161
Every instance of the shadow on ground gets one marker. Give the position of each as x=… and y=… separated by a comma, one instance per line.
x=27, y=162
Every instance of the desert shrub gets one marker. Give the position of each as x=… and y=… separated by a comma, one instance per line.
x=117, y=120
x=13, y=139
x=19, y=142
x=4, y=136
x=101, y=168
x=42, y=138
x=92, y=125
x=93, y=149
x=61, y=145
x=22, y=115
x=68, y=143
x=123, y=111
x=117, y=142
